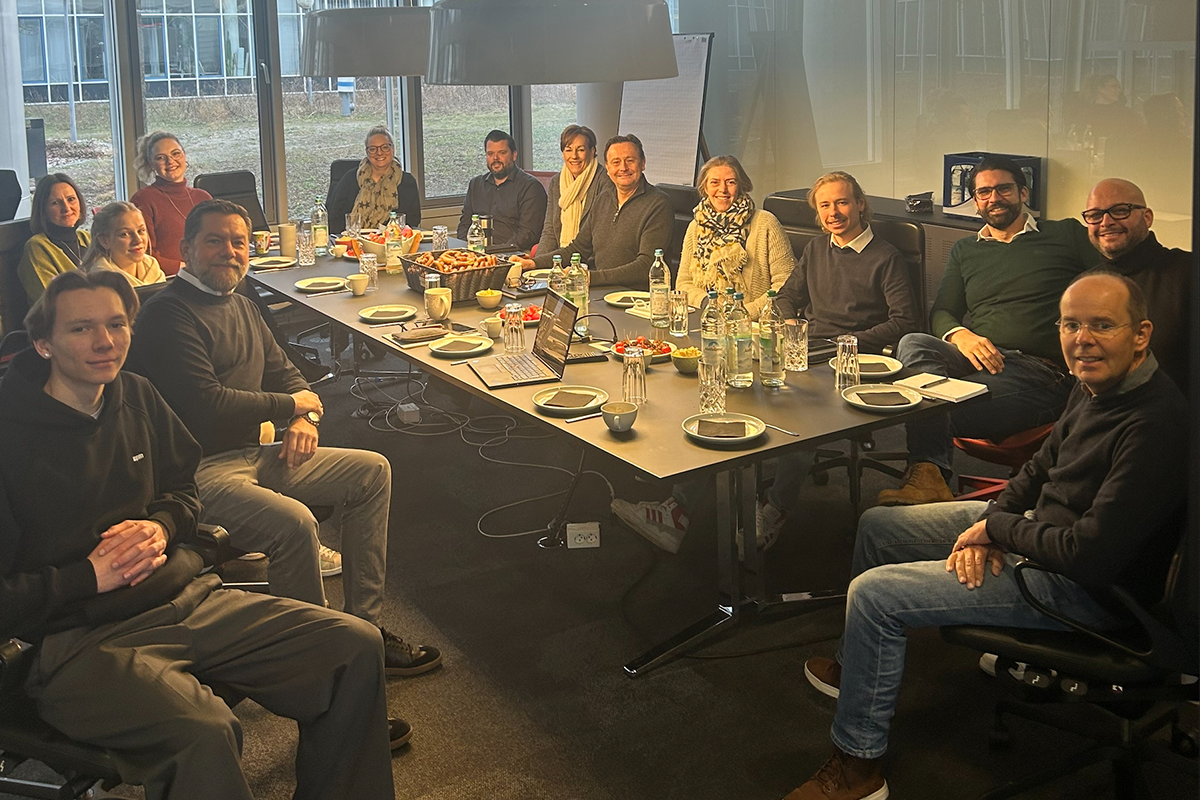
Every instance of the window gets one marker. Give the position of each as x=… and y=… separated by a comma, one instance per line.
x=552, y=109
x=33, y=53
x=456, y=119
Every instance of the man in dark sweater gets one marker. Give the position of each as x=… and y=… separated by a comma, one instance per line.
x=628, y=221
x=97, y=509
x=515, y=199
x=209, y=353
x=1007, y=281
x=1101, y=504
x=1118, y=223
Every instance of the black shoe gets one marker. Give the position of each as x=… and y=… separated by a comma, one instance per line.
x=404, y=659
x=399, y=732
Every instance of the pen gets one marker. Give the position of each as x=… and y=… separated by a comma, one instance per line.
x=459, y=363
x=585, y=416
x=938, y=382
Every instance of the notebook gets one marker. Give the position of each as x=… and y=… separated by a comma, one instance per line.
x=546, y=363
x=939, y=387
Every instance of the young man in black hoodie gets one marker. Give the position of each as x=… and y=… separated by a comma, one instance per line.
x=1101, y=503
x=97, y=500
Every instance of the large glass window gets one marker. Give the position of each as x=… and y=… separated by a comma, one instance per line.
x=456, y=119
x=552, y=109
x=33, y=53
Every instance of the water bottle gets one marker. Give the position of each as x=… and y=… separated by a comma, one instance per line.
x=558, y=278
x=660, y=292
x=770, y=340
x=320, y=227
x=393, y=242
x=476, y=238
x=712, y=329
x=727, y=301
x=739, y=346
x=581, y=294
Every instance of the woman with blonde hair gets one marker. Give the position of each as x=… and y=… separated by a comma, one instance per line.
x=730, y=242
x=573, y=189
x=161, y=162
x=378, y=187
x=121, y=243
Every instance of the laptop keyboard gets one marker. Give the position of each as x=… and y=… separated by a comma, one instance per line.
x=521, y=367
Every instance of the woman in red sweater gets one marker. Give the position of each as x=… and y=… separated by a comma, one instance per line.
x=165, y=203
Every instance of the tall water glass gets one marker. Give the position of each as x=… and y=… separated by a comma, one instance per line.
x=514, y=329
x=369, y=266
x=306, y=248
x=287, y=239
x=441, y=237
x=795, y=345
x=679, y=313
x=846, y=363
x=712, y=386
x=353, y=224
x=633, y=377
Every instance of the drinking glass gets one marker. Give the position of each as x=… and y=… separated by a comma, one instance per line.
x=633, y=377
x=712, y=386
x=679, y=313
x=441, y=237
x=795, y=345
x=432, y=280
x=846, y=362
x=287, y=238
x=353, y=224
x=514, y=329
x=306, y=248
x=369, y=266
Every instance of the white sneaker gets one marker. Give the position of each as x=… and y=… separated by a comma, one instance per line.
x=331, y=561
x=252, y=557
x=987, y=663
x=768, y=522
x=663, y=524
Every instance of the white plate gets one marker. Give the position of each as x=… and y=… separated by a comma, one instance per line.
x=539, y=397
x=536, y=275
x=326, y=284
x=272, y=262
x=755, y=427
x=612, y=297
x=482, y=345
x=892, y=364
x=659, y=358
x=387, y=313
x=851, y=395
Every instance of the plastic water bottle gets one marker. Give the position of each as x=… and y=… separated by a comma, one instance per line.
x=727, y=301
x=739, y=346
x=320, y=227
x=393, y=241
x=770, y=341
x=660, y=292
x=476, y=238
x=558, y=278
x=581, y=294
x=712, y=329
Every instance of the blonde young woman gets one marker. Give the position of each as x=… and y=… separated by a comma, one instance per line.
x=121, y=243
x=573, y=189
x=730, y=242
x=162, y=163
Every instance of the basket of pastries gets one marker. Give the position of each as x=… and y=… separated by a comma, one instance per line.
x=462, y=271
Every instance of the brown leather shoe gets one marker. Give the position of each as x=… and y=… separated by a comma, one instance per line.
x=825, y=675
x=844, y=777
x=923, y=483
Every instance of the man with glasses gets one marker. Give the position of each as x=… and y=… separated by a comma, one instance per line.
x=1118, y=223
x=515, y=199
x=1101, y=504
x=1006, y=281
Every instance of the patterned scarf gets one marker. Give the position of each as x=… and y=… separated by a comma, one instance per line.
x=721, y=240
x=376, y=198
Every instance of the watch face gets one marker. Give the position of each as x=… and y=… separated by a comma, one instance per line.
x=313, y=417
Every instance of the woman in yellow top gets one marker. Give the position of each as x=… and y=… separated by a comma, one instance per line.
x=121, y=243
x=57, y=244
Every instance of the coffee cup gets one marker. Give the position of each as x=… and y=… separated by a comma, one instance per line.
x=338, y=250
x=358, y=283
x=438, y=302
x=492, y=326
x=619, y=417
x=287, y=239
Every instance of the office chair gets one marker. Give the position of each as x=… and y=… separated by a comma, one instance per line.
x=10, y=194
x=1011, y=452
x=14, y=303
x=337, y=171
x=238, y=186
x=1131, y=679
x=684, y=200
x=797, y=217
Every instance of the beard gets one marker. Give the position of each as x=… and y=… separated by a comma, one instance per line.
x=501, y=171
x=220, y=280
x=1001, y=214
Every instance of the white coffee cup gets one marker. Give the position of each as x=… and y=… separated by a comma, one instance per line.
x=492, y=326
x=337, y=250
x=438, y=302
x=358, y=283
x=618, y=416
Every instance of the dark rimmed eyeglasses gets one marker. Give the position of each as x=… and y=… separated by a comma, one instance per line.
x=1094, y=216
x=376, y=149
x=1003, y=189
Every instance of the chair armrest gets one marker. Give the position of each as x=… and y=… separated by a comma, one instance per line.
x=15, y=658
x=212, y=543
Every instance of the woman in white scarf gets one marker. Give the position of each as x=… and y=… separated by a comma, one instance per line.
x=121, y=243
x=573, y=189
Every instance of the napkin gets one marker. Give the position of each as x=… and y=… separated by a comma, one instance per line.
x=568, y=400
x=883, y=398
x=457, y=346
x=872, y=366
x=709, y=427
x=641, y=308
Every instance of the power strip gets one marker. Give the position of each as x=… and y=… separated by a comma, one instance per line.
x=583, y=534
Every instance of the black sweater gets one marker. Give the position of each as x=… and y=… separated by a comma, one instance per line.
x=215, y=363
x=65, y=478
x=1105, y=489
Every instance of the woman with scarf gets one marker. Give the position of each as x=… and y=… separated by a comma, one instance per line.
x=161, y=162
x=377, y=188
x=121, y=243
x=573, y=189
x=730, y=243
x=57, y=244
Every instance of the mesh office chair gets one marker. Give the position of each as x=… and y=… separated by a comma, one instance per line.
x=239, y=186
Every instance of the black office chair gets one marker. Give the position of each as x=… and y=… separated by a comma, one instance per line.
x=1130, y=679
x=797, y=217
x=338, y=170
x=14, y=303
x=238, y=186
x=684, y=200
x=10, y=194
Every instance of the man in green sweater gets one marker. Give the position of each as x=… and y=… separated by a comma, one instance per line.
x=1006, y=281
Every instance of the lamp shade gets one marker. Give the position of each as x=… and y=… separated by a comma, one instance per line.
x=366, y=42
x=519, y=42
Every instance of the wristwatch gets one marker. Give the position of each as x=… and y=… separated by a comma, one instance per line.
x=312, y=417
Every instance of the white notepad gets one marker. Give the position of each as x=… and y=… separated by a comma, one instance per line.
x=940, y=387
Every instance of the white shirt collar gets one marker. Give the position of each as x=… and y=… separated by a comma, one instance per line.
x=858, y=243
x=1029, y=226
x=187, y=275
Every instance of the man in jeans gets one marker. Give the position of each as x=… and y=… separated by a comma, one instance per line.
x=1007, y=281
x=209, y=353
x=1101, y=504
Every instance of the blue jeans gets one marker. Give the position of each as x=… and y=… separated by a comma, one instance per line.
x=900, y=582
x=1027, y=393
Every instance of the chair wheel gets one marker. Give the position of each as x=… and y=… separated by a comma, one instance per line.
x=820, y=478
x=1184, y=742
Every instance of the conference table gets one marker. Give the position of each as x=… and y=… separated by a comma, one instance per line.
x=657, y=446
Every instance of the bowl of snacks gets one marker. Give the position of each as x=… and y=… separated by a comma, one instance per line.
x=654, y=351
x=488, y=298
x=686, y=359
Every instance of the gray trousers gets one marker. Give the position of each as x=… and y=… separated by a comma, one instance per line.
x=139, y=688
x=263, y=504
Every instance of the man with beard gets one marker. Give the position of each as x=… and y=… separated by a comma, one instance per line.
x=1118, y=223
x=1007, y=281
x=515, y=200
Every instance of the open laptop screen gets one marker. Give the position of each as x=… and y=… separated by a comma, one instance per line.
x=553, y=337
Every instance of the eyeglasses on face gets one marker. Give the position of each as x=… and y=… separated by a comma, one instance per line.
x=1003, y=189
x=376, y=149
x=1100, y=330
x=174, y=155
x=1094, y=216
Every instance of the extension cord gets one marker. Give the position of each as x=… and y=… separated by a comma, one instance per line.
x=583, y=534
x=408, y=413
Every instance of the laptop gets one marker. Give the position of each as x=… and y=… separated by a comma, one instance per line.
x=546, y=363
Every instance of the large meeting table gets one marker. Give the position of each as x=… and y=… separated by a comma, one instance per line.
x=657, y=447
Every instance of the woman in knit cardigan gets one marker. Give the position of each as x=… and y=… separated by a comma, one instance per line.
x=730, y=243
x=57, y=244
x=165, y=203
